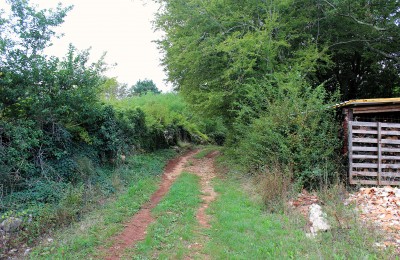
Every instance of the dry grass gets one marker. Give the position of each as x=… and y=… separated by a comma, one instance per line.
x=275, y=187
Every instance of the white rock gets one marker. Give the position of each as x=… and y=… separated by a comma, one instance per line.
x=11, y=224
x=27, y=251
x=318, y=219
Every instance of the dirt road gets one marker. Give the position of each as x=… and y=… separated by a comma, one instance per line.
x=135, y=229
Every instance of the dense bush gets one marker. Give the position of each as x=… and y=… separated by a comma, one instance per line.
x=54, y=129
x=297, y=132
x=170, y=120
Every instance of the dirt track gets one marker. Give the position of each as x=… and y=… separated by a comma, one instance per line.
x=135, y=229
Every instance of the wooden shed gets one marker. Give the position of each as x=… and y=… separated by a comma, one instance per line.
x=372, y=140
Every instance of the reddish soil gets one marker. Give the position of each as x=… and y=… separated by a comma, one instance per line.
x=204, y=168
x=302, y=204
x=136, y=228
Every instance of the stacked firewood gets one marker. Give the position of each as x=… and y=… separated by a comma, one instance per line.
x=382, y=207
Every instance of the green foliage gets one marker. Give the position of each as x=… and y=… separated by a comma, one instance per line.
x=111, y=89
x=297, y=132
x=52, y=123
x=56, y=137
x=212, y=49
x=265, y=68
x=361, y=39
x=168, y=119
x=50, y=205
x=143, y=87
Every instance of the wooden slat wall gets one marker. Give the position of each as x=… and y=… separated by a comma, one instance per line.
x=374, y=153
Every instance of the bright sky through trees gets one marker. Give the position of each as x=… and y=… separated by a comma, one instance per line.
x=122, y=28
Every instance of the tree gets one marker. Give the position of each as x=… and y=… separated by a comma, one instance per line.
x=23, y=37
x=217, y=52
x=47, y=104
x=361, y=38
x=111, y=89
x=144, y=86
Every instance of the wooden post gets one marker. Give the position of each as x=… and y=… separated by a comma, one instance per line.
x=379, y=152
x=350, y=150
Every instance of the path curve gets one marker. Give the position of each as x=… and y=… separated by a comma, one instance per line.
x=136, y=228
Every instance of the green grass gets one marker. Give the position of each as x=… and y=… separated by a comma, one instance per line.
x=242, y=229
x=174, y=229
x=83, y=238
x=206, y=150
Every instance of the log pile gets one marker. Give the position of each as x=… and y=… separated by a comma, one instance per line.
x=382, y=207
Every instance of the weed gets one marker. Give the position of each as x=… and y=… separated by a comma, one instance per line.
x=275, y=187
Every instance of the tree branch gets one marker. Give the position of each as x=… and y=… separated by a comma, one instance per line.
x=346, y=42
x=329, y=3
x=384, y=54
x=368, y=44
x=364, y=23
x=355, y=19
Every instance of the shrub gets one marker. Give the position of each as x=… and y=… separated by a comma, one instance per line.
x=298, y=130
x=167, y=117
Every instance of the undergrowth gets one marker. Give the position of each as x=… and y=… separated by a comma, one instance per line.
x=130, y=185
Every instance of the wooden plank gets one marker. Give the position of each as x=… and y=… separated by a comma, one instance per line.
x=390, y=166
x=363, y=182
x=365, y=149
x=362, y=131
x=390, y=183
x=370, y=110
x=372, y=182
x=365, y=174
x=364, y=165
x=391, y=174
x=383, y=132
x=392, y=125
x=374, y=174
x=370, y=124
x=389, y=141
x=390, y=150
x=375, y=165
x=389, y=157
x=366, y=140
x=366, y=156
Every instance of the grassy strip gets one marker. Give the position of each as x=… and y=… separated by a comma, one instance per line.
x=243, y=230
x=142, y=173
x=206, y=150
x=173, y=231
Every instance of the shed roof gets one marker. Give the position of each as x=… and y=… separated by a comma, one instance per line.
x=368, y=102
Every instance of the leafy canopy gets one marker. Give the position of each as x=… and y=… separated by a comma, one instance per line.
x=144, y=86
